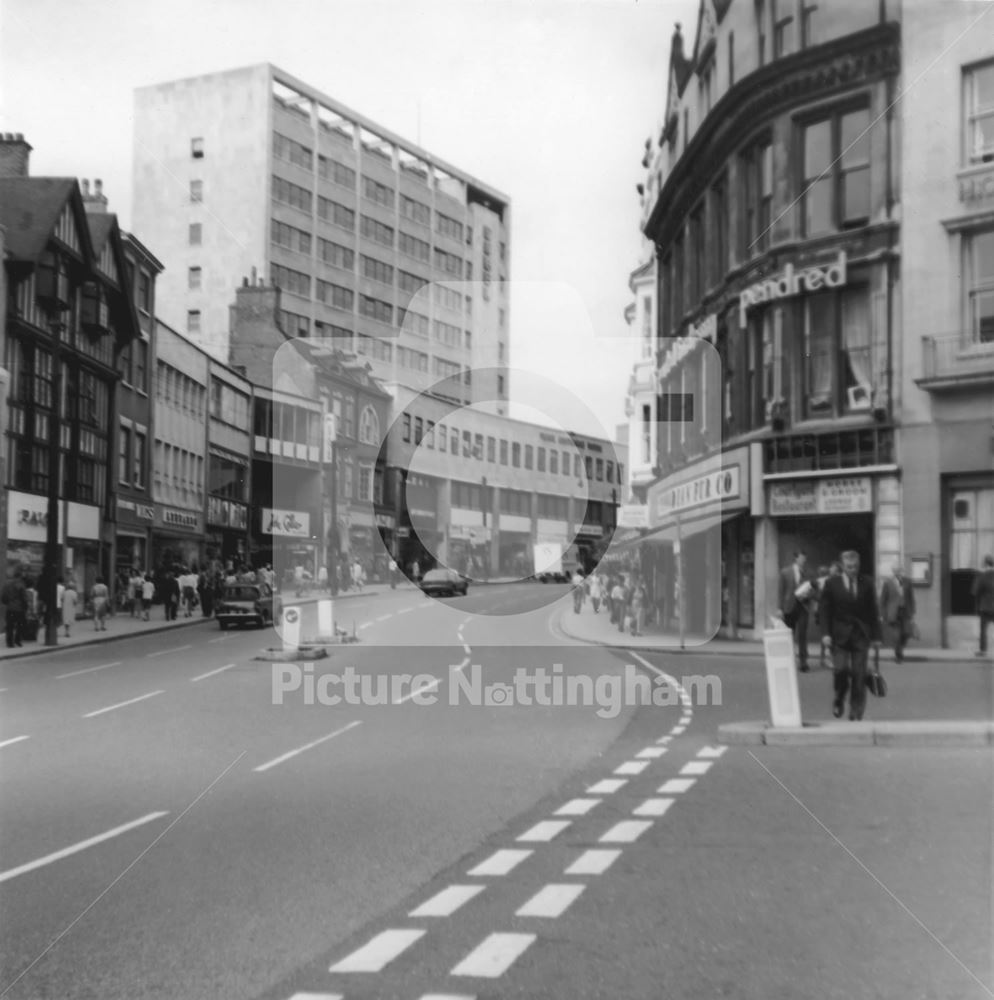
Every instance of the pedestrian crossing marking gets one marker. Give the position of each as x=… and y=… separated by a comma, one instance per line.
x=494, y=955
x=545, y=830
x=625, y=832
x=379, y=952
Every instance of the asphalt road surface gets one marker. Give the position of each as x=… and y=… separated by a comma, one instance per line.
x=183, y=818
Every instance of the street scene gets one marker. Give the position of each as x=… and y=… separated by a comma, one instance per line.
x=443, y=559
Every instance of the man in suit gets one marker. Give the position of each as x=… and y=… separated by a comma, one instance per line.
x=850, y=621
x=897, y=608
x=983, y=595
x=794, y=609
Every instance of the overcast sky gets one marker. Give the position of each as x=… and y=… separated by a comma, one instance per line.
x=549, y=101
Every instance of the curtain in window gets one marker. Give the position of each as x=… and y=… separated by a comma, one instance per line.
x=819, y=340
x=856, y=341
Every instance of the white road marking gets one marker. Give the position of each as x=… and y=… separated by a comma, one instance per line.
x=421, y=690
x=365, y=625
x=685, y=720
x=653, y=807
x=713, y=752
x=378, y=953
x=593, y=862
x=551, y=901
x=122, y=704
x=81, y=846
x=317, y=996
x=545, y=830
x=696, y=767
x=678, y=730
x=220, y=638
x=651, y=752
x=307, y=746
x=405, y=611
x=466, y=649
x=607, y=787
x=446, y=902
x=88, y=670
x=383, y=618
x=631, y=767
x=665, y=739
x=211, y=673
x=494, y=956
x=16, y=739
x=576, y=807
x=676, y=786
x=625, y=832
x=166, y=652
x=500, y=862
x=447, y=996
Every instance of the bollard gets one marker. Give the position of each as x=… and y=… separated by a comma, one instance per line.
x=326, y=618
x=291, y=629
x=781, y=677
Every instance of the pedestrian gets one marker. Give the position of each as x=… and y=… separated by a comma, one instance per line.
x=170, y=596
x=298, y=579
x=850, y=626
x=639, y=599
x=393, y=574
x=100, y=597
x=60, y=594
x=358, y=576
x=323, y=577
x=619, y=602
x=897, y=609
x=596, y=591
x=415, y=571
x=70, y=598
x=577, y=582
x=15, y=601
x=796, y=590
x=983, y=596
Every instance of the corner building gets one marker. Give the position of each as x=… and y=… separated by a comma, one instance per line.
x=773, y=200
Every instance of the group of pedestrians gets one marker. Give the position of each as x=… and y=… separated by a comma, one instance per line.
x=625, y=596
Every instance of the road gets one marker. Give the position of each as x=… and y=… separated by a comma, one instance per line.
x=183, y=822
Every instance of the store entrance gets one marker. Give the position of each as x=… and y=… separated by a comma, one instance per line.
x=825, y=538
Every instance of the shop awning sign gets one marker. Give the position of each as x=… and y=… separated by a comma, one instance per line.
x=288, y=523
x=841, y=495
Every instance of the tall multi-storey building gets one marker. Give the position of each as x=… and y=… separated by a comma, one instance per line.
x=399, y=256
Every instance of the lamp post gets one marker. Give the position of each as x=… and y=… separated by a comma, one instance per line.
x=329, y=457
x=485, y=557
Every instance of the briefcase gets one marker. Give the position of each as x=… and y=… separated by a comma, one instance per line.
x=876, y=684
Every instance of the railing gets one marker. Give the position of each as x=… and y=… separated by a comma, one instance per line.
x=954, y=360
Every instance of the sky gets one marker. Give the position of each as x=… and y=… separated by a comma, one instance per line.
x=549, y=101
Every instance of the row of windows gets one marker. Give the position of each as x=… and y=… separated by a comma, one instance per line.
x=336, y=214
x=229, y=405
x=336, y=255
x=377, y=270
x=132, y=364
x=131, y=445
x=415, y=323
x=337, y=173
x=284, y=235
x=415, y=360
x=292, y=151
x=446, y=369
x=178, y=474
x=375, y=191
x=294, y=324
x=227, y=477
x=449, y=227
x=446, y=333
x=373, y=347
x=375, y=230
x=286, y=422
x=291, y=194
x=335, y=295
x=290, y=280
x=376, y=309
x=414, y=210
x=174, y=388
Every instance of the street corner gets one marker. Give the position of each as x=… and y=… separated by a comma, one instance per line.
x=908, y=733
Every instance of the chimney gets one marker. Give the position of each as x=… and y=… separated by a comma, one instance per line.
x=96, y=203
x=14, y=155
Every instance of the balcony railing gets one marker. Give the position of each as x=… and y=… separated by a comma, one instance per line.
x=950, y=362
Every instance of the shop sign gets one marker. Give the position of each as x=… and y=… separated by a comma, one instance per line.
x=846, y=495
x=590, y=530
x=292, y=523
x=82, y=521
x=138, y=511
x=718, y=486
x=173, y=518
x=791, y=283
x=469, y=533
x=384, y=521
x=633, y=515
x=793, y=499
x=227, y=513
x=27, y=518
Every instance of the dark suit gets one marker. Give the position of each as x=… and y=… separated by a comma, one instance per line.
x=852, y=622
x=795, y=612
x=897, y=608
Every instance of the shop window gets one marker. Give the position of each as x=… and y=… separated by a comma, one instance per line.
x=971, y=539
x=838, y=372
x=835, y=190
x=979, y=106
x=979, y=268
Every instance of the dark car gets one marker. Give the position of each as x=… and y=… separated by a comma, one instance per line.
x=444, y=581
x=242, y=603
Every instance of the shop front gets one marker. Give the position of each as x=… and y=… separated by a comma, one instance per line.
x=131, y=537
x=424, y=543
x=514, y=554
x=84, y=554
x=384, y=542
x=227, y=532
x=27, y=526
x=177, y=539
x=288, y=542
x=469, y=549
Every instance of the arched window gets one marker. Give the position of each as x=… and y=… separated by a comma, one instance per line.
x=369, y=426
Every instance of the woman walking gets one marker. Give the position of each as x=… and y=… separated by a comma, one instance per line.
x=100, y=597
x=69, y=600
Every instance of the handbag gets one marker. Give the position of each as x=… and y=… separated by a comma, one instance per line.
x=876, y=684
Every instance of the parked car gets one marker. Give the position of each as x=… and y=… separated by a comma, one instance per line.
x=242, y=603
x=444, y=581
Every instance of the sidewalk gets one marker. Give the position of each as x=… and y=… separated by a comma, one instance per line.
x=588, y=627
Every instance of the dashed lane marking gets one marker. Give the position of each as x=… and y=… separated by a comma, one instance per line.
x=383, y=618
x=446, y=902
x=421, y=690
x=88, y=670
x=607, y=787
x=631, y=767
x=317, y=996
x=651, y=752
x=122, y=704
x=494, y=956
x=593, y=862
x=81, y=846
x=551, y=901
x=653, y=807
x=678, y=730
x=712, y=752
x=307, y=746
x=380, y=952
x=447, y=996
x=665, y=739
x=625, y=832
x=365, y=625
x=696, y=767
x=576, y=807
x=405, y=611
x=500, y=862
x=211, y=673
x=166, y=652
x=545, y=830
x=676, y=786
x=15, y=739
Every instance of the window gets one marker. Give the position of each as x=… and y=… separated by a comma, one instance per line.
x=193, y=321
x=442, y=437
x=196, y=191
x=467, y=444
x=139, y=460
x=291, y=194
x=197, y=148
x=731, y=59
x=193, y=277
x=415, y=323
x=375, y=230
x=419, y=429
x=781, y=12
x=697, y=255
x=338, y=173
x=500, y=385
x=407, y=427
x=529, y=456
x=336, y=255
x=369, y=426
x=450, y=263
x=979, y=269
x=376, y=309
x=719, y=230
x=979, y=104
x=478, y=447
x=365, y=482
x=196, y=234
x=376, y=270
x=516, y=454
x=609, y=471
x=491, y=449
x=761, y=32
x=503, y=452
x=448, y=227
x=124, y=455
x=290, y=237
x=810, y=35
x=292, y=151
x=290, y=280
x=413, y=247
x=337, y=215
x=145, y=292
x=411, y=283
x=454, y=441
x=836, y=181
x=757, y=197
x=540, y=460
x=416, y=211
x=377, y=192
x=430, y=434
x=588, y=466
x=335, y=295
x=599, y=470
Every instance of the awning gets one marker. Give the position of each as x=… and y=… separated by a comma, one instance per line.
x=668, y=533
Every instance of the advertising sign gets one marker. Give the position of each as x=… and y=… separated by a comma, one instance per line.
x=633, y=515
x=288, y=523
x=841, y=495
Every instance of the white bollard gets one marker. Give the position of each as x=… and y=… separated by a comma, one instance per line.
x=326, y=618
x=781, y=677
x=291, y=629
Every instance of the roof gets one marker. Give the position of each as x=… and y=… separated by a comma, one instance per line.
x=101, y=224
x=29, y=209
x=339, y=364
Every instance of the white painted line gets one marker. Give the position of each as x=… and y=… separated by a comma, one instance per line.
x=378, y=953
x=651, y=752
x=122, y=704
x=421, y=690
x=88, y=670
x=446, y=902
x=220, y=638
x=551, y=901
x=166, y=652
x=685, y=720
x=308, y=746
x=383, y=618
x=576, y=807
x=625, y=832
x=405, y=611
x=678, y=730
x=593, y=862
x=317, y=996
x=81, y=846
x=607, y=787
x=631, y=767
x=676, y=786
x=665, y=739
x=653, y=807
x=466, y=649
x=211, y=673
x=16, y=739
x=494, y=956
x=460, y=666
x=696, y=767
x=500, y=862
x=712, y=752
x=545, y=830
x=447, y=996
x=365, y=625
